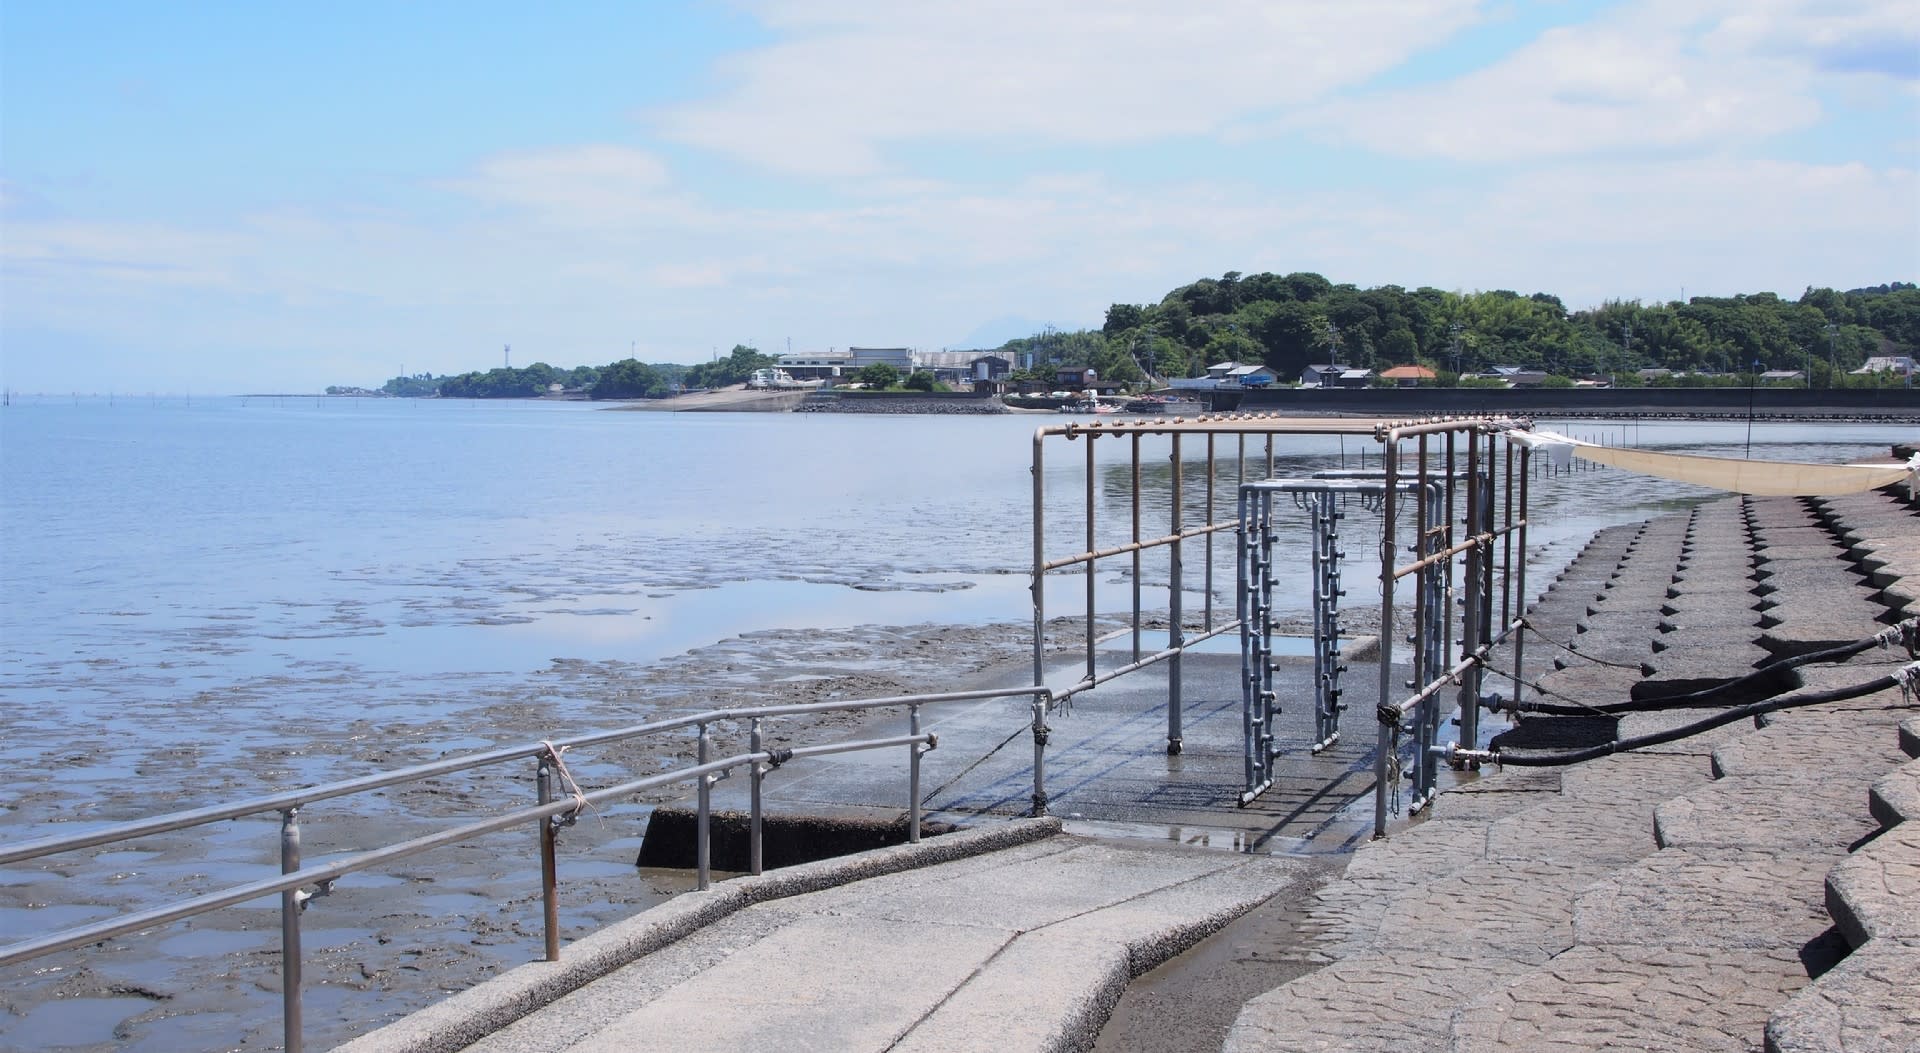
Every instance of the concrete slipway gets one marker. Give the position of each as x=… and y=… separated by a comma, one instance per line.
x=1752, y=887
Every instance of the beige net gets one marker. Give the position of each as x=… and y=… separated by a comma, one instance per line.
x=1736, y=475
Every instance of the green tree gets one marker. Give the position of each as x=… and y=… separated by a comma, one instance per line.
x=627, y=379
x=878, y=377
x=918, y=380
x=733, y=369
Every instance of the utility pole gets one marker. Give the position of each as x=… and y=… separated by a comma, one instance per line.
x=1453, y=341
x=1833, y=363
x=508, y=354
x=1626, y=348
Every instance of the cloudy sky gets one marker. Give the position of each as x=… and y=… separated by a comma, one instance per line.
x=212, y=198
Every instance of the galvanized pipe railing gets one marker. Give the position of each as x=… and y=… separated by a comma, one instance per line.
x=552, y=811
x=1487, y=535
x=1436, y=551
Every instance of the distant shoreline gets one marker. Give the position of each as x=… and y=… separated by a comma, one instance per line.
x=1898, y=406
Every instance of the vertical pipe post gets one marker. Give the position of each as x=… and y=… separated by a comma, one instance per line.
x=703, y=840
x=1389, y=460
x=1477, y=560
x=1489, y=500
x=1422, y=601
x=1092, y=563
x=1506, y=540
x=1244, y=586
x=549, y=862
x=1207, y=612
x=1039, y=586
x=1136, y=540
x=1520, y=571
x=290, y=962
x=1442, y=655
x=1176, y=632
x=1040, y=701
x=756, y=859
x=913, y=776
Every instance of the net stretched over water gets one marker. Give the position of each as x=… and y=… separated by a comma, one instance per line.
x=1735, y=475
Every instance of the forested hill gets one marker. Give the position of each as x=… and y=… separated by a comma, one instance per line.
x=1292, y=320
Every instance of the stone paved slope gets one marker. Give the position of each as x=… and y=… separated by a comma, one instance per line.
x=1671, y=899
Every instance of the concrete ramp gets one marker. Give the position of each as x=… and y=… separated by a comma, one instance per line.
x=1024, y=948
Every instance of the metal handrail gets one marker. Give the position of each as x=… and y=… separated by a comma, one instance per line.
x=551, y=813
x=307, y=795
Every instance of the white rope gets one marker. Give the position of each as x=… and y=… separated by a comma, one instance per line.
x=567, y=783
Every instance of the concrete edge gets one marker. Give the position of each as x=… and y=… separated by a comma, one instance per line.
x=465, y=1018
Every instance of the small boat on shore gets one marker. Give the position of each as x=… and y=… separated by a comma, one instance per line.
x=1161, y=405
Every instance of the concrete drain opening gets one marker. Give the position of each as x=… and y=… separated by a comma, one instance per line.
x=672, y=836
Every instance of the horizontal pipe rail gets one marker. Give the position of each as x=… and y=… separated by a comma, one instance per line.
x=1059, y=695
x=1138, y=546
x=297, y=798
x=1394, y=712
x=325, y=873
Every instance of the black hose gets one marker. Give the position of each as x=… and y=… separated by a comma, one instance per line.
x=1754, y=709
x=1768, y=681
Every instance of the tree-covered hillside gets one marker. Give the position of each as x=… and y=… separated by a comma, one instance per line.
x=1290, y=321
x=1293, y=320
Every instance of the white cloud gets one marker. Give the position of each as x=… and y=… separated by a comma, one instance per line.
x=1673, y=76
x=591, y=184
x=850, y=79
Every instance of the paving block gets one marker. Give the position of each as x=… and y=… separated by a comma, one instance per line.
x=1636, y=779
x=1798, y=808
x=1754, y=898
x=1875, y=892
x=1375, y=1001
x=1866, y=1004
x=1894, y=798
x=1588, y=684
x=1611, y=830
x=1846, y=746
x=1653, y=998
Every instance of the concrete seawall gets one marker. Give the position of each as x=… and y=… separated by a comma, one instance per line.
x=1693, y=403
x=954, y=403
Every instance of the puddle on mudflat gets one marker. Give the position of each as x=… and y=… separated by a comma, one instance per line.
x=66, y=1022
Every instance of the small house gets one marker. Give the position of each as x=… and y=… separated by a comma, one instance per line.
x=1318, y=376
x=1407, y=376
x=1239, y=374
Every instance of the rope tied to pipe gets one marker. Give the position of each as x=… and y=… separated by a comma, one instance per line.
x=1530, y=627
x=550, y=754
x=1906, y=633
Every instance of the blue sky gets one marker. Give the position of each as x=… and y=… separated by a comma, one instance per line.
x=235, y=197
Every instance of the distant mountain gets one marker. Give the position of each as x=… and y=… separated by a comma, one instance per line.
x=1000, y=330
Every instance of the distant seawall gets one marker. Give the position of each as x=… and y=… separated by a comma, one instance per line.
x=1871, y=403
x=953, y=402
